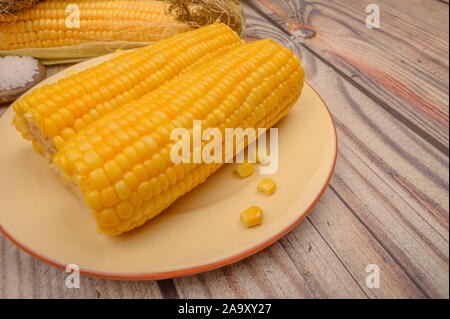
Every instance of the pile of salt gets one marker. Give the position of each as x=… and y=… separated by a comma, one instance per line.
x=16, y=71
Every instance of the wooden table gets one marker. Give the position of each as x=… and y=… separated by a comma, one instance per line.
x=387, y=203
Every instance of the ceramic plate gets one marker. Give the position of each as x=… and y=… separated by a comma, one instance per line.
x=200, y=231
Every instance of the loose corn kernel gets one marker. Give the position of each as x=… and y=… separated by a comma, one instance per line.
x=245, y=169
x=252, y=216
x=267, y=186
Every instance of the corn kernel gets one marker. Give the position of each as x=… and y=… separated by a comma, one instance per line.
x=131, y=180
x=104, y=150
x=136, y=200
x=124, y=210
x=92, y=159
x=81, y=168
x=125, y=226
x=245, y=169
x=156, y=186
x=108, y=218
x=50, y=128
x=37, y=145
x=164, y=181
x=58, y=141
x=123, y=190
x=140, y=172
x=98, y=179
x=109, y=197
x=123, y=162
x=137, y=215
x=93, y=200
x=267, y=186
x=145, y=190
x=252, y=216
x=113, y=171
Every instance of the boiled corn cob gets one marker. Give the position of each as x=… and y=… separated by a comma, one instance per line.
x=121, y=164
x=51, y=115
x=48, y=24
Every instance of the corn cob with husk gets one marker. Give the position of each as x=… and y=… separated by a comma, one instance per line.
x=121, y=164
x=51, y=115
x=48, y=31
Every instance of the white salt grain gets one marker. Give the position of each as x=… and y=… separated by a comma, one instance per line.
x=16, y=71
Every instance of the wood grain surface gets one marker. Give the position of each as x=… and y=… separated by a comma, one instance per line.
x=403, y=65
x=387, y=203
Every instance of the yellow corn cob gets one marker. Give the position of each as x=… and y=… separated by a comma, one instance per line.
x=51, y=115
x=121, y=163
x=46, y=24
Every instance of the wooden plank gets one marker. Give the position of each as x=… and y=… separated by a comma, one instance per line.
x=404, y=64
x=393, y=182
x=23, y=276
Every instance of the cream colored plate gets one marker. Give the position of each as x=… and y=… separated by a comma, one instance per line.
x=200, y=231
